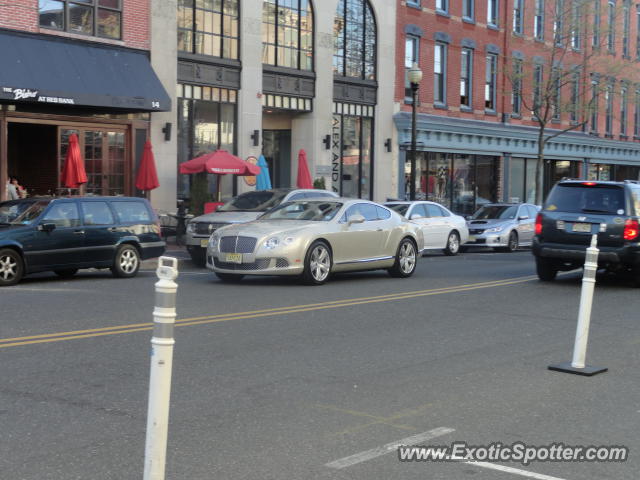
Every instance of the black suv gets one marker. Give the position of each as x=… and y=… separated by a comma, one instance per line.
x=577, y=209
x=65, y=234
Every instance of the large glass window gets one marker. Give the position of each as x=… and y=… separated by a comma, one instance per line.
x=597, y=16
x=593, y=123
x=208, y=27
x=576, y=24
x=522, y=180
x=100, y=18
x=287, y=33
x=206, y=122
x=354, y=40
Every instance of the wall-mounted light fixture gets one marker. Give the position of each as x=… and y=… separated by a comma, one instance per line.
x=387, y=144
x=327, y=142
x=255, y=136
x=167, y=131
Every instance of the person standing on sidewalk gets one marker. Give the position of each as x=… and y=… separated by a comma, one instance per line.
x=12, y=191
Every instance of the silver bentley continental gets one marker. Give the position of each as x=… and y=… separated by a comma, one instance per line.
x=315, y=238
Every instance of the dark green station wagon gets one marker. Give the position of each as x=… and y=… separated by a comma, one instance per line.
x=65, y=234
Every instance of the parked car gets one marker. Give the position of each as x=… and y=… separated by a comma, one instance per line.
x=65, y=234
x=441, y=228
x=315, y=238
x=575, y=211
x=502, y=226
x=241, y=209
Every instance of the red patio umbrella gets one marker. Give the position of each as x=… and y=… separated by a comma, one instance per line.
x=220, y=162
x=73, y=173
x=147, y=178
x=304, y=177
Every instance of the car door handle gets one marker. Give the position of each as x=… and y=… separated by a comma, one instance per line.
x=78, y=232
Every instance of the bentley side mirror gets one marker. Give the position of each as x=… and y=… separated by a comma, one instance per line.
x=357, y=218
x=47, y=227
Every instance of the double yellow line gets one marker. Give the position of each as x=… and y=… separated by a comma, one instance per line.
x=226, y=317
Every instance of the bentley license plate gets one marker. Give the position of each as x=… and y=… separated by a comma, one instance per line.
x=203, y=242
x=234, y=258
x=582, y=227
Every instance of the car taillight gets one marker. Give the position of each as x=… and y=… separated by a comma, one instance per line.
x=539, y=224
x=631, y=230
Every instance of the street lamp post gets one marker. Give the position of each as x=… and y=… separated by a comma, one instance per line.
x=415, y=77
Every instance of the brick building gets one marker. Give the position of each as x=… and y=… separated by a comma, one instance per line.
x=76, y=67
x=476, y=140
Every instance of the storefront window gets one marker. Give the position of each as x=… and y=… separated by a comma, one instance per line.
x=626, y=172
x=204, y=126
x=460, y=182
x=599, y=172
x=352, y=164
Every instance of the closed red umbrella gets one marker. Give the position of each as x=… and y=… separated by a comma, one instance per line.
x=73, y=173
x=304, y=177
x=147, y=178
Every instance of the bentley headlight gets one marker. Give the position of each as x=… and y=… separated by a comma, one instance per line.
x=494, y=229
x=191, y=227
x=271, y=243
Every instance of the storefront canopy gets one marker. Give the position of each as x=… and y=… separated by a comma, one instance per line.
x=51, y=70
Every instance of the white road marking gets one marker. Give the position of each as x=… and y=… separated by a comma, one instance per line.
x=515, y=471
x=388, y=448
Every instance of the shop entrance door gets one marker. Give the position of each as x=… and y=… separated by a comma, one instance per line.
x=104, y=157
x=276, y=148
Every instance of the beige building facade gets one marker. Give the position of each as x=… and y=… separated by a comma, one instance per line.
x=271, y=78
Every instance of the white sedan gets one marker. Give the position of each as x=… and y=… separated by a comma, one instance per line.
x=442, y=229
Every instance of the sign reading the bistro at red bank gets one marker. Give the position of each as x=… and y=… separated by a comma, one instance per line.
x=28, y=94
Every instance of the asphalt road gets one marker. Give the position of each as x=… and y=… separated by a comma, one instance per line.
x=273, y=380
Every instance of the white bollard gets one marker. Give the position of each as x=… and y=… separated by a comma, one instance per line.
x=577, y=365
x=164, y=317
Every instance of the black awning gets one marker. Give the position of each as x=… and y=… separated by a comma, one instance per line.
x=50, y=70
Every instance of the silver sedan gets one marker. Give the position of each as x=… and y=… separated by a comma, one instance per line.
x=314, y=238
x=442, y=229
x=502, y=226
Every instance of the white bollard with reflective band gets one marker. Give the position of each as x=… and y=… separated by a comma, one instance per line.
x=164, y=317
x=577, y=365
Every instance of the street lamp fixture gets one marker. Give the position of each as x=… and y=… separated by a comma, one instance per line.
x=415, y=77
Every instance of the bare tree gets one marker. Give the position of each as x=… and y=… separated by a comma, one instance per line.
x=570, y=72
